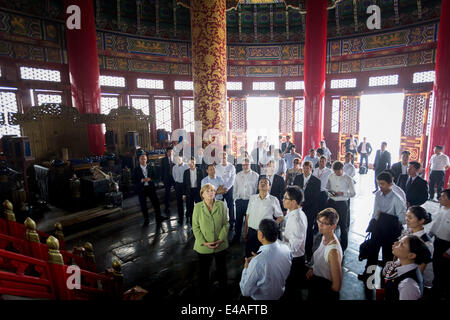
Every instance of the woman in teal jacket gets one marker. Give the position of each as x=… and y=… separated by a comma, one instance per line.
x=210, y=228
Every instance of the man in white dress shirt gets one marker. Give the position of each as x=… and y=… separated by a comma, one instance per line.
x=341, y=188
x=227, y=172
x=264, y=275
x=439, y=163
x=294, y=236
x=178, y=172
x=245, y=185
x=349, y=168
x=260, y=206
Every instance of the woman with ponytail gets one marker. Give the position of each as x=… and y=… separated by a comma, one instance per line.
x=416, y=218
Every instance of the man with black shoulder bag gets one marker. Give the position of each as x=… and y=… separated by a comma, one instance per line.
x=389, y=214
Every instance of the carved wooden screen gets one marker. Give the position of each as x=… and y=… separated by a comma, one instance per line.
x=237, y=123
x=348, y=121
x=414, y=124
x=287, y=120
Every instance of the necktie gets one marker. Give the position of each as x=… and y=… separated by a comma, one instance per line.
x=408, y=184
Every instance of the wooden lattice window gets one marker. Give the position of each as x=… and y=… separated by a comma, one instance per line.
x=299, y=115
x=163, y=114
x=286, y=115
x=8, y=105
x=414, y=115
x=141, y=104
x=349, y=115
x=188, y=114
x=48, y=98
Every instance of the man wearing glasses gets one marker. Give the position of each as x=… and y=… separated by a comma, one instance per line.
x=294, y=236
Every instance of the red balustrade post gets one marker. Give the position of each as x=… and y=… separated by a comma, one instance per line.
x=57, y=270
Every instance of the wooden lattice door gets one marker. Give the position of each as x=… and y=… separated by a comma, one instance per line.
x=237, y=123
x=348, y=122
x=287, y=120
x=414, y=123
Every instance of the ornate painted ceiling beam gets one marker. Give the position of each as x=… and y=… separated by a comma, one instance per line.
x=255, y=22
x=157, y=17
x=419, y=8
x=397, y=18
x=338, y=27
x=240, y=23
x=287, y=23
x=175, y=17
x=271, y=22
x=355, y=15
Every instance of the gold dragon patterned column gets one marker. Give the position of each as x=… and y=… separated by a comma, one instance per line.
x=209, y=63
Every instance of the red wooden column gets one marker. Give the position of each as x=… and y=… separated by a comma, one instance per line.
x=440, y=125
x=209, y=63
x=84, y=69
x=314, y=72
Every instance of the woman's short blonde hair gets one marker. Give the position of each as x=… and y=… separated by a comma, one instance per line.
x=206, y=187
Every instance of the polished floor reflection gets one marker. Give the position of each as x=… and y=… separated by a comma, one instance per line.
x=162, y=260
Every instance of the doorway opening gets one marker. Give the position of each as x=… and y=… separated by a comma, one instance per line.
x=263, y=118
x=381, y=120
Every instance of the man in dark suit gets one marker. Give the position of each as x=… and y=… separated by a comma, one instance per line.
x=310, y=186
x=287, y=144
x=259, y=155
x=416, y=188
x=400, y=169
x=364, y=149
x=142, y=177
x=278, y=184
x=167, y=165
x=192, y=191
x=382, y=162
x=351, y=145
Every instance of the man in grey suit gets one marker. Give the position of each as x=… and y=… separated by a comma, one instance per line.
x=382, y=162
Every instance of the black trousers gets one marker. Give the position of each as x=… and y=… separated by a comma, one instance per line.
x=149, y=191
x=320, y=289
x=167, y=185
x=342, y=210
x=296, y=279
x=179, y=195
x=230, y=204
x=241, y=209
x=364, y=156
x=436, y=178
x=205, y=261
x=311, y=215
x=192, y=198
x=386, y=231
x=441, y=267
x=252, y=244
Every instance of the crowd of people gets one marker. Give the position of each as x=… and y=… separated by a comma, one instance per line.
x=274, y=202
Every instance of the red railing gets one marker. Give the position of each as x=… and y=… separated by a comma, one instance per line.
x=25, y=276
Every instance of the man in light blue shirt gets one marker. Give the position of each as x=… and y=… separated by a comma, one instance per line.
x=290, y=156
x=264, y=275
x=216, y=181
x=312, y=157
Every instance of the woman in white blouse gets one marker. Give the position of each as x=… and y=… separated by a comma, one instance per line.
x=407, y=281
x=416, y=218
x=325, y=276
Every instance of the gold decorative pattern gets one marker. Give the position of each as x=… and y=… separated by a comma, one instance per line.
x=31, y=233
x=209, y=62
x=8, y=208
x=54, y=256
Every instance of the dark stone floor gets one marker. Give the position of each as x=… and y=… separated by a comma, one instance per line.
x=163, y=262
